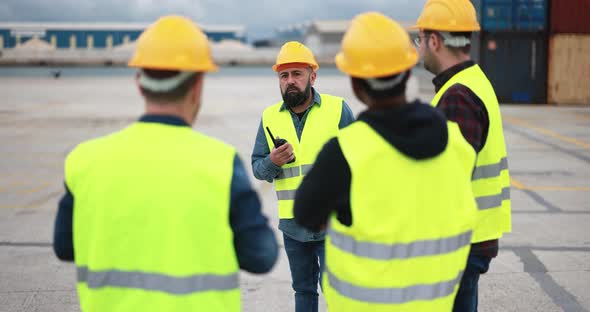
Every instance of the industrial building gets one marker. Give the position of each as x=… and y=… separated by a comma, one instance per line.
x=292, y=32
x=95, y=35
x=323, y=37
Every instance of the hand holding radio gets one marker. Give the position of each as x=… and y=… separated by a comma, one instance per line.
x=282, y=153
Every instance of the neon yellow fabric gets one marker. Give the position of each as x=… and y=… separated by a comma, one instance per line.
x=411, y=229
x=151, y=209
x=321, y=125
x=490, y=187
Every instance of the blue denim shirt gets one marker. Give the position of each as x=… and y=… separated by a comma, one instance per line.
x=265, y=169
x=254, y=241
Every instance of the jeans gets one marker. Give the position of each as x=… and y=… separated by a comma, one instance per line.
x=306, y=261
x=466, y=300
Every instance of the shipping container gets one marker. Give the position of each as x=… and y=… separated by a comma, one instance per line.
x=512, y=15
x=496, y=15
x=516, y=64
x=569, y=69
x=530, y=15
x=570, y=16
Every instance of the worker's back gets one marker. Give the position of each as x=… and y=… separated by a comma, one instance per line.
x=411, y=225
x=151, y=221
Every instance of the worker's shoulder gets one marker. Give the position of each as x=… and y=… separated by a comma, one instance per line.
x=330, y=97
x=459, y=88
x=462, y=92
x=354, y=128
x=337, y=100
x=199, y=140
x=272, y=111
x=92, y=146
x=275, y=105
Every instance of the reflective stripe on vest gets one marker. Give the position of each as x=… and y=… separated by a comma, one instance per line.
x=286, y=195
x=158, y=282
x=490, y=179
x=490, y=171
x=380, y=251
x=492, y=201
x=305, y=169
x=394, y=295
x=321, y=124
x=293, y=172
x=288, y=173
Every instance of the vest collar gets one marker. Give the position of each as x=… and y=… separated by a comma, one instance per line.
x=317, y=99
x=442, y=78
x=164, y=119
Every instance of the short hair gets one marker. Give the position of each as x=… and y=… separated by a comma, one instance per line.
x=396, y=90
x=173, y=95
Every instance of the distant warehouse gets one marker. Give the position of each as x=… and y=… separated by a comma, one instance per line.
x=95, y=35
x=323, y=37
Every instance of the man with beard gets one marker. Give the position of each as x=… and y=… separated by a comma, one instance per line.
x=306, y=119
x=466, y=96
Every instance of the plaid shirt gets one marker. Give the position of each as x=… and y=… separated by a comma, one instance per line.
x=461, y=105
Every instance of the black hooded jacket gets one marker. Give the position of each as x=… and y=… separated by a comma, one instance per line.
x=416, y=129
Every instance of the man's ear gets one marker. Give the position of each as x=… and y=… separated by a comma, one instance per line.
x=197, y=87
x=435, y=42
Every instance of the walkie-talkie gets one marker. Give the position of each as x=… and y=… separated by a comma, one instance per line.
x=279, y=142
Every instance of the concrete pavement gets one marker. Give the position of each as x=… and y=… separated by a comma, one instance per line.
x=544, y=265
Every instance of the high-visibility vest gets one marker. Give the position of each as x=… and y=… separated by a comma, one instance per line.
x=151, y=221
x=412, y=221
x=320, y=126
x=491, y=181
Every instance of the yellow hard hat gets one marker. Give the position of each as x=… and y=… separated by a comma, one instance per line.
x=375, y=46
x=448, y=15
x=173, y=43
x=295, y=52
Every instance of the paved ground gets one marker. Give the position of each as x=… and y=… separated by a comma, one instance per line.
x=544, y=265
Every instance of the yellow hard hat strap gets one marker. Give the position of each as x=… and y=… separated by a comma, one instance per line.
x=447, y=39
x=452, y=41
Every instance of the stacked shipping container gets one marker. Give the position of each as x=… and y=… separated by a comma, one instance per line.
x=512, y=48
x=569, y=52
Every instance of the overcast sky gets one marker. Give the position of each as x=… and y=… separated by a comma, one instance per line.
x=259, y=17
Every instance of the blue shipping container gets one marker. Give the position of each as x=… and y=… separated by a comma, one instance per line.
x=530, y=15
x=516, y=65
x=507, y=15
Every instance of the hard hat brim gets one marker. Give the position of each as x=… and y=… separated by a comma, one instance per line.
x=278, y=67
x=450, y=29
x=352, y=71
x=211, y=67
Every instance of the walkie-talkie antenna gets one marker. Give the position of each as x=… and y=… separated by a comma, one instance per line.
x=271, y=136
